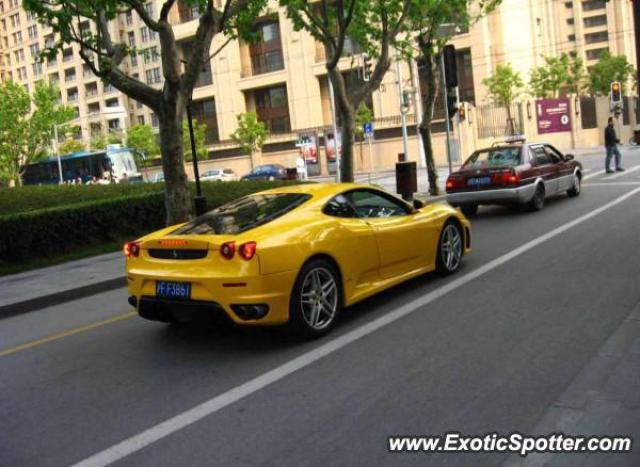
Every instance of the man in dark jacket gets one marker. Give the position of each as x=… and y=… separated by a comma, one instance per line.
x=611, y=144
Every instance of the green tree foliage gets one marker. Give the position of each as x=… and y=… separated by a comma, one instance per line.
x=104, y=52
x=376, y=27
x=143, y=140
x=70, y=146
x=431, y=25
x=199, y=136
x=100, y=142
x=504, y=86
x=559, y=76
x=250, y=133
x=609, y=68
x=26, y=126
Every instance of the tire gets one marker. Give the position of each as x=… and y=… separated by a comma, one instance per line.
x=577, y=186
x=537, y=202
x=450, y=249
x=315, y=304
x=469, y=210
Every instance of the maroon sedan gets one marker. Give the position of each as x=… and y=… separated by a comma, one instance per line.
x=516, y=173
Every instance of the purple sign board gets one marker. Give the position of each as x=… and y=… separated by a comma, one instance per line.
x=554, y=115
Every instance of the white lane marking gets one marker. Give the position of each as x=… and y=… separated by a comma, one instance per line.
x=191, y=416
x=622, y=174
x=612, y=184
x=594, y=174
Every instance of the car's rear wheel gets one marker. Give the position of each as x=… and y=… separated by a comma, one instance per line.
x=450, y=249
x=537, y=202
x=316, y=300
x=469, y=210
x=577, y=186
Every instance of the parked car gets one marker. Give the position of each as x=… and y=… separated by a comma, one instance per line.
x=267, y=172
x=157, y=178
x=513, y=173
x=286, y=255
x=220, y=175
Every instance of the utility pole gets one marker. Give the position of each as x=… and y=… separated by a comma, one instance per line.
x=335, y=131
x=403, y=109
x=636, y=28
x=445, y=93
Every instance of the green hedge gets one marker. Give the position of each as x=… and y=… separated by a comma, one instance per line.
x=62, y=229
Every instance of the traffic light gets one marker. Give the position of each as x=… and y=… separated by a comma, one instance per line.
x=450, y=66
x=367, y=67
x=616, y=93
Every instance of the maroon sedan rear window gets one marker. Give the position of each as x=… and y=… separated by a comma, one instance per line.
x=494, y=157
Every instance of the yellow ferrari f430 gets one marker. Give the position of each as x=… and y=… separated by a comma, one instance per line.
x=296, y=255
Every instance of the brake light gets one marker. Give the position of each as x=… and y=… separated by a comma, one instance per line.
x=228, y=249
x=132, y=249
x=451, y=183
x=247, y=250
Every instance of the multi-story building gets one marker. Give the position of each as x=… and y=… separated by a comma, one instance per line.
x=283, y=78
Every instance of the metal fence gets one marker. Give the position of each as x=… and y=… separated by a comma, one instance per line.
x=494, y=121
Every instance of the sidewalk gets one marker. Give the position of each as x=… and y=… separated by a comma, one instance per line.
x=35, y=289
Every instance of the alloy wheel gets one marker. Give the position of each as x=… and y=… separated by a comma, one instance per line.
x=319, y=298
x=451, y=247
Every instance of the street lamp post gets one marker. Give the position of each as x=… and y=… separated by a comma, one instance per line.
x=200, y=201
x=57, y=149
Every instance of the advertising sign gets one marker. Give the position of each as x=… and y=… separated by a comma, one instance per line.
x=308, y=144
x=553, y=115
x=331, y=149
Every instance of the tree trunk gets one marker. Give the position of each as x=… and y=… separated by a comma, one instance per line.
x=177, y=197
x=346, y=113
x=427, y=116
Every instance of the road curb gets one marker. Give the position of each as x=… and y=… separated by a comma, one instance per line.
x=58, y=298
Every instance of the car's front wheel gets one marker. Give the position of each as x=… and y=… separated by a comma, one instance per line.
x=450, y=249
x=316, y=300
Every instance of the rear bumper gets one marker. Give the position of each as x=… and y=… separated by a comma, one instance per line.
x=211, y=296
x=522, y=194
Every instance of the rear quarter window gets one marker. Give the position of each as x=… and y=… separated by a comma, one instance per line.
x=244, y=214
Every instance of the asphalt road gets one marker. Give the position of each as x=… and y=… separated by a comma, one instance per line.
x=488, y=353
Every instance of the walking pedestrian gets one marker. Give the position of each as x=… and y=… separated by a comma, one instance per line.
x=611, y=142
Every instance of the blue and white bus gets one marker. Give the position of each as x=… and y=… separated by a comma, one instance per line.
x=113, y=165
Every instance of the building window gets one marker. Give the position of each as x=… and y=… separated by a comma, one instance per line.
x=596, y=37
x=595, y=54
x=272, y=108
x=37, y=68
x=266, y=54
x=112, y=102
x=67, y=55
x=91, y=89
x=132, y=38
x=35, y=50
x=571, y=37
x=568, y=4
x=205, y=112
x=129, y=18
x=32, y=31
x=144, y=34
x=205, y=78
x=154, y=121
x=153, y=76
x=570, y=21
x=140, y=119
x=93, y=108
x=70, y=75
x=595, y=21
x=593, y=5
x=187, y=12
x=114, y=124
x=72, y=94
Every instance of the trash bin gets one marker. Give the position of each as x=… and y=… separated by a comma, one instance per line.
x=406, y=179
